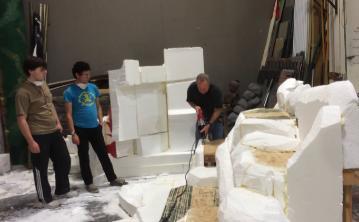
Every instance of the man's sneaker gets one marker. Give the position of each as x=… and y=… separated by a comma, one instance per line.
x=92, y=188
x=70, y=194
x=118, y=182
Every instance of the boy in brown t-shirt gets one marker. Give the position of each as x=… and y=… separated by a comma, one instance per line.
x=39, y=124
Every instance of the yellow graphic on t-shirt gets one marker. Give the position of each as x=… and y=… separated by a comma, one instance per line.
x=86, y=98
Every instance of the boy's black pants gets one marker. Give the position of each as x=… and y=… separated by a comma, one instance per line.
x=95, y=137
x=54, y=147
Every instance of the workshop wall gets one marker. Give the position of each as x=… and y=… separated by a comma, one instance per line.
x=231, y=32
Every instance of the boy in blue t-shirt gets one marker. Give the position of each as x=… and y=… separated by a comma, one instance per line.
x=84, y=117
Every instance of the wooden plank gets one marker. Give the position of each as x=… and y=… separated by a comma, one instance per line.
x=350, y=177
x=347, y=204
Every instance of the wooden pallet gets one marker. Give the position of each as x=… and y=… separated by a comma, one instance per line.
x=350, y=179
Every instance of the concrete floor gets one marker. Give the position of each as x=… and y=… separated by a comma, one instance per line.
x=101, y=207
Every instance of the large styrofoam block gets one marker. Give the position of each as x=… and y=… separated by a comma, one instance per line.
x=177, y=95
x=315, y=171
x=165, y=162
x=243, y=205
x=350, y=137
x=131, y=198
x=152, y=144
x=342, y=93
x=125, y=148
x=293, y=97
x=263, y=179
x=5, y=165
x=270, y=142
x=181, y=129
x=278, y=127
x=203, y=176
x=308, y=106
x=151, y=109
x=153, y=74
x=154, y=200
x=224, y=169
x=183, y=63
x=129, y=74
x=199, y=156
x=283, y=90
x=124, y=111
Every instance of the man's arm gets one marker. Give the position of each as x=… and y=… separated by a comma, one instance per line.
x=70, y=123
x=99, y=111
x=25, y=130
x=217, y=112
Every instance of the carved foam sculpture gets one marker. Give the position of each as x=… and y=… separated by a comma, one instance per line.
x=272, y=169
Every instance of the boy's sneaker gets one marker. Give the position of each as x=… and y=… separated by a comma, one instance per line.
x=92, y=188
x=118, y=182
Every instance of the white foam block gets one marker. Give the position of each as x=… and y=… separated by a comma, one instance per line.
x=152, y=144
x=153, y=74
x=314, y=177
x=177, y=95
x=129, y=74
x=350, y=137
x=181, y=129
x=183, y=63
x=125, y=148
x=224, y=169
x=124, y=111
x=307, y=107
x=283, y=90
x=293, y=97
x=5, y=165
x=199, y=156
x=342, y=93
x=277, y=127
x=154, y=203
x=244, y=205
x=151, y=109
x=131, y=198
x=270, y=142
x=203, y=176
x=262, y=179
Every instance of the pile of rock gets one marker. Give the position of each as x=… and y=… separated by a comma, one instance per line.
x=251, y=98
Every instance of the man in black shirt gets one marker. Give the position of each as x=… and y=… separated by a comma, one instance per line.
x=206, y=97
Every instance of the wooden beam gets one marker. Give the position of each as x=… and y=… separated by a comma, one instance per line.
x=350, y=177
x=347, y=204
